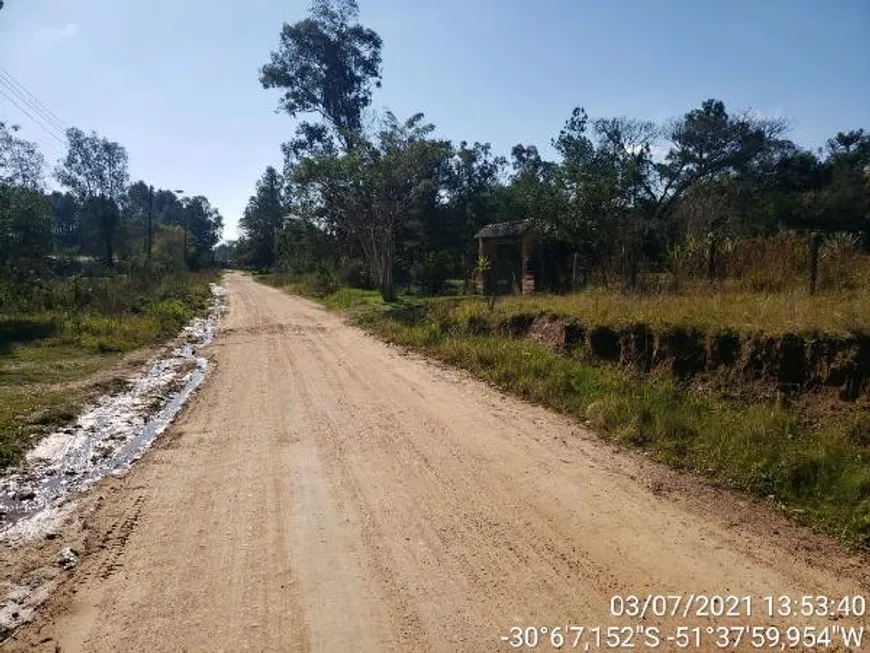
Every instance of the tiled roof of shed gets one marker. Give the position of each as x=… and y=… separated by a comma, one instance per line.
x=504, y=229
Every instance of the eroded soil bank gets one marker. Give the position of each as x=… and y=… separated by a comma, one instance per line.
x=793, y=363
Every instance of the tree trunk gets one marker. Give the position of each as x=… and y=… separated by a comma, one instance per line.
x=388, y=288
x=711, y=259
x=631, y=265
x=574, y=274
x=107, y=234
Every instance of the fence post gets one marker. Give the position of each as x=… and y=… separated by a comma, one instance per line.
x=711, y=257
x=814, y=245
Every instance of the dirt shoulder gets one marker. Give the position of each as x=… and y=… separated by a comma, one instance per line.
x=325, y=491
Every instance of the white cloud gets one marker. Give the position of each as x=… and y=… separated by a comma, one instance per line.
x=52, y=35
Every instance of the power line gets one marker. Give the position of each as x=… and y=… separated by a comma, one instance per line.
x=47, y=130
x=17, y=98
x=33, y=113
x=31, y=100
x=33, y=108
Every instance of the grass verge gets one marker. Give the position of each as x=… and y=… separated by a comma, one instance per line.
x=46, y=355
x=818, y=474
x=771, y=313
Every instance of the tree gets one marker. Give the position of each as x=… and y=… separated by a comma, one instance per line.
x=707, y=143
x=263, y=218
x=847, y=205
x=205, y=224
x=302, y=247
x=21, y=163
x=370, y=193
x=95, y=170
x=93, y=166
x=403, y=175
x=327, y=64
x=25, y=228
x=532, y=193
x=65, y=210
x=471, y=189
x=136, y=199
x=640, y=193
x=578, y=178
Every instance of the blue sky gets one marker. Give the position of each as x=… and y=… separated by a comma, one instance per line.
x=176, y=81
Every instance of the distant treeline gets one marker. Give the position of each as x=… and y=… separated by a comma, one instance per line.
x=100, y=225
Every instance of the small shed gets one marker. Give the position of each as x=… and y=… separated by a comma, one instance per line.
x=509, y=247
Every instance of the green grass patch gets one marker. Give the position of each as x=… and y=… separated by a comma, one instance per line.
x=323, y=287
x=43, y=353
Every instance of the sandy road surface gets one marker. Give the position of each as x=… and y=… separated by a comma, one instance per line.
x=325, y=492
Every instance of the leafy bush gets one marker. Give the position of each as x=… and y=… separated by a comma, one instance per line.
x=324, y=282
x=171, y=315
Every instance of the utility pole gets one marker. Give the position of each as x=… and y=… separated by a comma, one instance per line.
x=150, y=207
x=186, y=224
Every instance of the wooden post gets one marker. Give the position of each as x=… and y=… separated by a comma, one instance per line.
x=480, y=280
x=527, y=282
x=711, y=258
x=814, y=245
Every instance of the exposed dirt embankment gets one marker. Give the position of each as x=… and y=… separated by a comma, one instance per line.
x=793, y=363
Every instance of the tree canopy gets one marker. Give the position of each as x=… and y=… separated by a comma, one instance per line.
x=326, y=64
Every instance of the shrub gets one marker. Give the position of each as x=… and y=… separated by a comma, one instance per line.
x=325, y=282
x=171, y=315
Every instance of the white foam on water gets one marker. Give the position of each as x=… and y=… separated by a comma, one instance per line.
x=108, y=437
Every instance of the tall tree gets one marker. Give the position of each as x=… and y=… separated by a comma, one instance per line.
x=708, y=142
x=263, y=218
x=25, y=229
x=205, y=225
x=327, y=64
x=94, y=166
x=95, y=170
x=65, y=209
x=847, y=205
x=370, y=193
x=25, y=212
x=21, y=162
x=471, y=190
x=580, y=219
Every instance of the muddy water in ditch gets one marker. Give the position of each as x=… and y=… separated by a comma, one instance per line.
x=108, y=437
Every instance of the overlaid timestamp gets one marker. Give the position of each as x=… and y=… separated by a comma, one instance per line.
x=699, y=638
x=730, y=606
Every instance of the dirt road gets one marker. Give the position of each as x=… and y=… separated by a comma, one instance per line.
x=325, y=492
